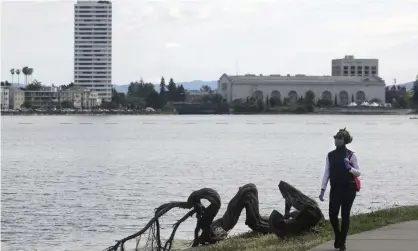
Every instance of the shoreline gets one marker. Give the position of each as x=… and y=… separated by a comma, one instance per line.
x=318, y=111
x=256, y=242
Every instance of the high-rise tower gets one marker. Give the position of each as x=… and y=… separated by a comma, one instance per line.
x=93, y=46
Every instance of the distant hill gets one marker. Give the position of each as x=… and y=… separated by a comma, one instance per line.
x=408, y=85
x=193, y=85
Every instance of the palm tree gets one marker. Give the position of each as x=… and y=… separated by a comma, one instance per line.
x=25, y=71
x=18, y=73
x=12, y=71
x=30, y=72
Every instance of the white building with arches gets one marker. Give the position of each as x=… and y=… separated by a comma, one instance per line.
x=342, y=88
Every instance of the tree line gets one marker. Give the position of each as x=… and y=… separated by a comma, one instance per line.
x=144, y=94
x=399, y=97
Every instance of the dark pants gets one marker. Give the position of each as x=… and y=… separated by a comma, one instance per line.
x=341, y=196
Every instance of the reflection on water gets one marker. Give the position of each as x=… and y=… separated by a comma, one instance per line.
x=77, y=182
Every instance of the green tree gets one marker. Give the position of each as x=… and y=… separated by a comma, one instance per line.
x=309, y=98
x=324, y=102
x=65, y=87
x=30, y=73
x=67, y=105
x=154, y=100
x=108, y=105
x=275, y=101
x=118, y=98
x=172, y=91
x=206, y=88
x=140, y=89
x=397, y=96
x=25, y=71
x=27, y=104
x=18, y=75
x=163, y=90
x=181, y=93
x=12, y=71
x=415, y=93
x=34, y=86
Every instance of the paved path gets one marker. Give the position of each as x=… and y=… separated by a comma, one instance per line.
x=396, y=237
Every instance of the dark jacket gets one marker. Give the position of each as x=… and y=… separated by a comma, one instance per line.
x=338, y=174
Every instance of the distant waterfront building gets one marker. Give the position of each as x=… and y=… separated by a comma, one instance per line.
x=195, y=95
x=5, y=94
x=344, y=89
x=350, y=66
x=45, y=98
x=93, y=46
x=17, y=97
x=80, y=97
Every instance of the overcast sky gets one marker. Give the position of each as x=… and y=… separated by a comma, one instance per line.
x=201, y=39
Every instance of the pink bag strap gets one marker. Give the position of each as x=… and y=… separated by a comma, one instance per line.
x=350, y=154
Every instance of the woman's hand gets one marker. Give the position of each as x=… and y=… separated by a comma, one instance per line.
x=321, y=195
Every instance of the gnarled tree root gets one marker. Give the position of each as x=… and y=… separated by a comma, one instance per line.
x=208, y=231
x=306, y=216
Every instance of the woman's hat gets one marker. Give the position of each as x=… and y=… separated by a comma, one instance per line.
x=344, y=134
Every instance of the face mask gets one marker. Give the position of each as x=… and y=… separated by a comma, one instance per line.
x=339, y=142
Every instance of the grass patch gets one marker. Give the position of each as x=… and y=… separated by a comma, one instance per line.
x=359, y=223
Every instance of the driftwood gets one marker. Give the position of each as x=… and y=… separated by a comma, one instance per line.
x=306, y=215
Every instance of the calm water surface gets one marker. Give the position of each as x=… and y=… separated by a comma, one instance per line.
x=81, y=182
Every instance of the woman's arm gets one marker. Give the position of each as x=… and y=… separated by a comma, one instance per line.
x=325, y=176
x=355, y=170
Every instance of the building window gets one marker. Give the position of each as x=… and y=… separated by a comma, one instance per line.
x=224, y=86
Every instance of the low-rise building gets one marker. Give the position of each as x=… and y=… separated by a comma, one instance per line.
x=45, y=98
x=80, y=97
x=195, y=95
x=17, y=98
x=94, y=99
x=5, y=97
x=342, y=89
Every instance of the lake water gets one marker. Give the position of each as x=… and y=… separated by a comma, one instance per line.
x=81, y=182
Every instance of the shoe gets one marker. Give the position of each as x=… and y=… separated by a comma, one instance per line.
x=337, y=244
x=343, y=247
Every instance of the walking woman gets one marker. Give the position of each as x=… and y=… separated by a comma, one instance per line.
x=341, y=169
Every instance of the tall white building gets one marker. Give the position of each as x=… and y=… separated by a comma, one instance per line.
x=350, y=66
x=93, y=46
